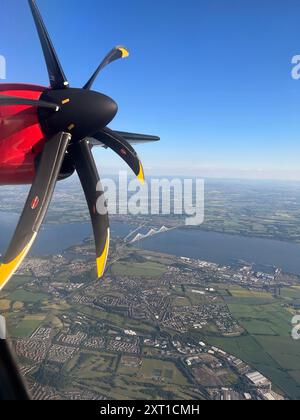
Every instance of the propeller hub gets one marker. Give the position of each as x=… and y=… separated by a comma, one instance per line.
x=82, y=112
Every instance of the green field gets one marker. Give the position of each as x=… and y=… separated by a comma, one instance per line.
x=17, y=281
x=247, y=297
x=91, y=366
x=239, y=292
x=267, y=345
x=27, y=297
x=147, y=269
x=271, y=319
x=291, y=293
x=181, y=301
x=117, y=320
x=154, y=371
x=26, y=326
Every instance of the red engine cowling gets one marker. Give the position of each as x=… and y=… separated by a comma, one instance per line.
x=21, y=136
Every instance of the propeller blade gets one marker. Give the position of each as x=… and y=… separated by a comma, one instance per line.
x=86, y=168
x=121, y=146
x=36, y=205
x=57, y=77
x=134, y=138
x=115, y=54
x=14, y=100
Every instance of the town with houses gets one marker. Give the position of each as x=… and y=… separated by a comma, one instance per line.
x=157, y=326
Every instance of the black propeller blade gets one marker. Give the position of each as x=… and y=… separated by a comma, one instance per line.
x=36, y=205
x=57, y=77
x=85, y=165
x=134, y=138
x=121, y=146
x=115, y=54
x=14, y=100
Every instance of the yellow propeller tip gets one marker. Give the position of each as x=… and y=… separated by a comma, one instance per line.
x=102, y=260
x=8, y=270
x=141, y=175
x=124, y=51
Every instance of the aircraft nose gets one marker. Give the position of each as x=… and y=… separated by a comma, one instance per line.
x=82, y=112
x=107, y=108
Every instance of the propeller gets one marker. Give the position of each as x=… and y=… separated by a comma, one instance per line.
x=79, y=123
x=36, y=205
x=121, y=146
x=113, y=55
x=14, y=100
x=90, y=180
x=57, y=77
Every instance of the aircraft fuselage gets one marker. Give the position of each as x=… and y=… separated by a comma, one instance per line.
x=21, y=136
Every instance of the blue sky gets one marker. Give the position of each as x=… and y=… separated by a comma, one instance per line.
x=211, y=77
